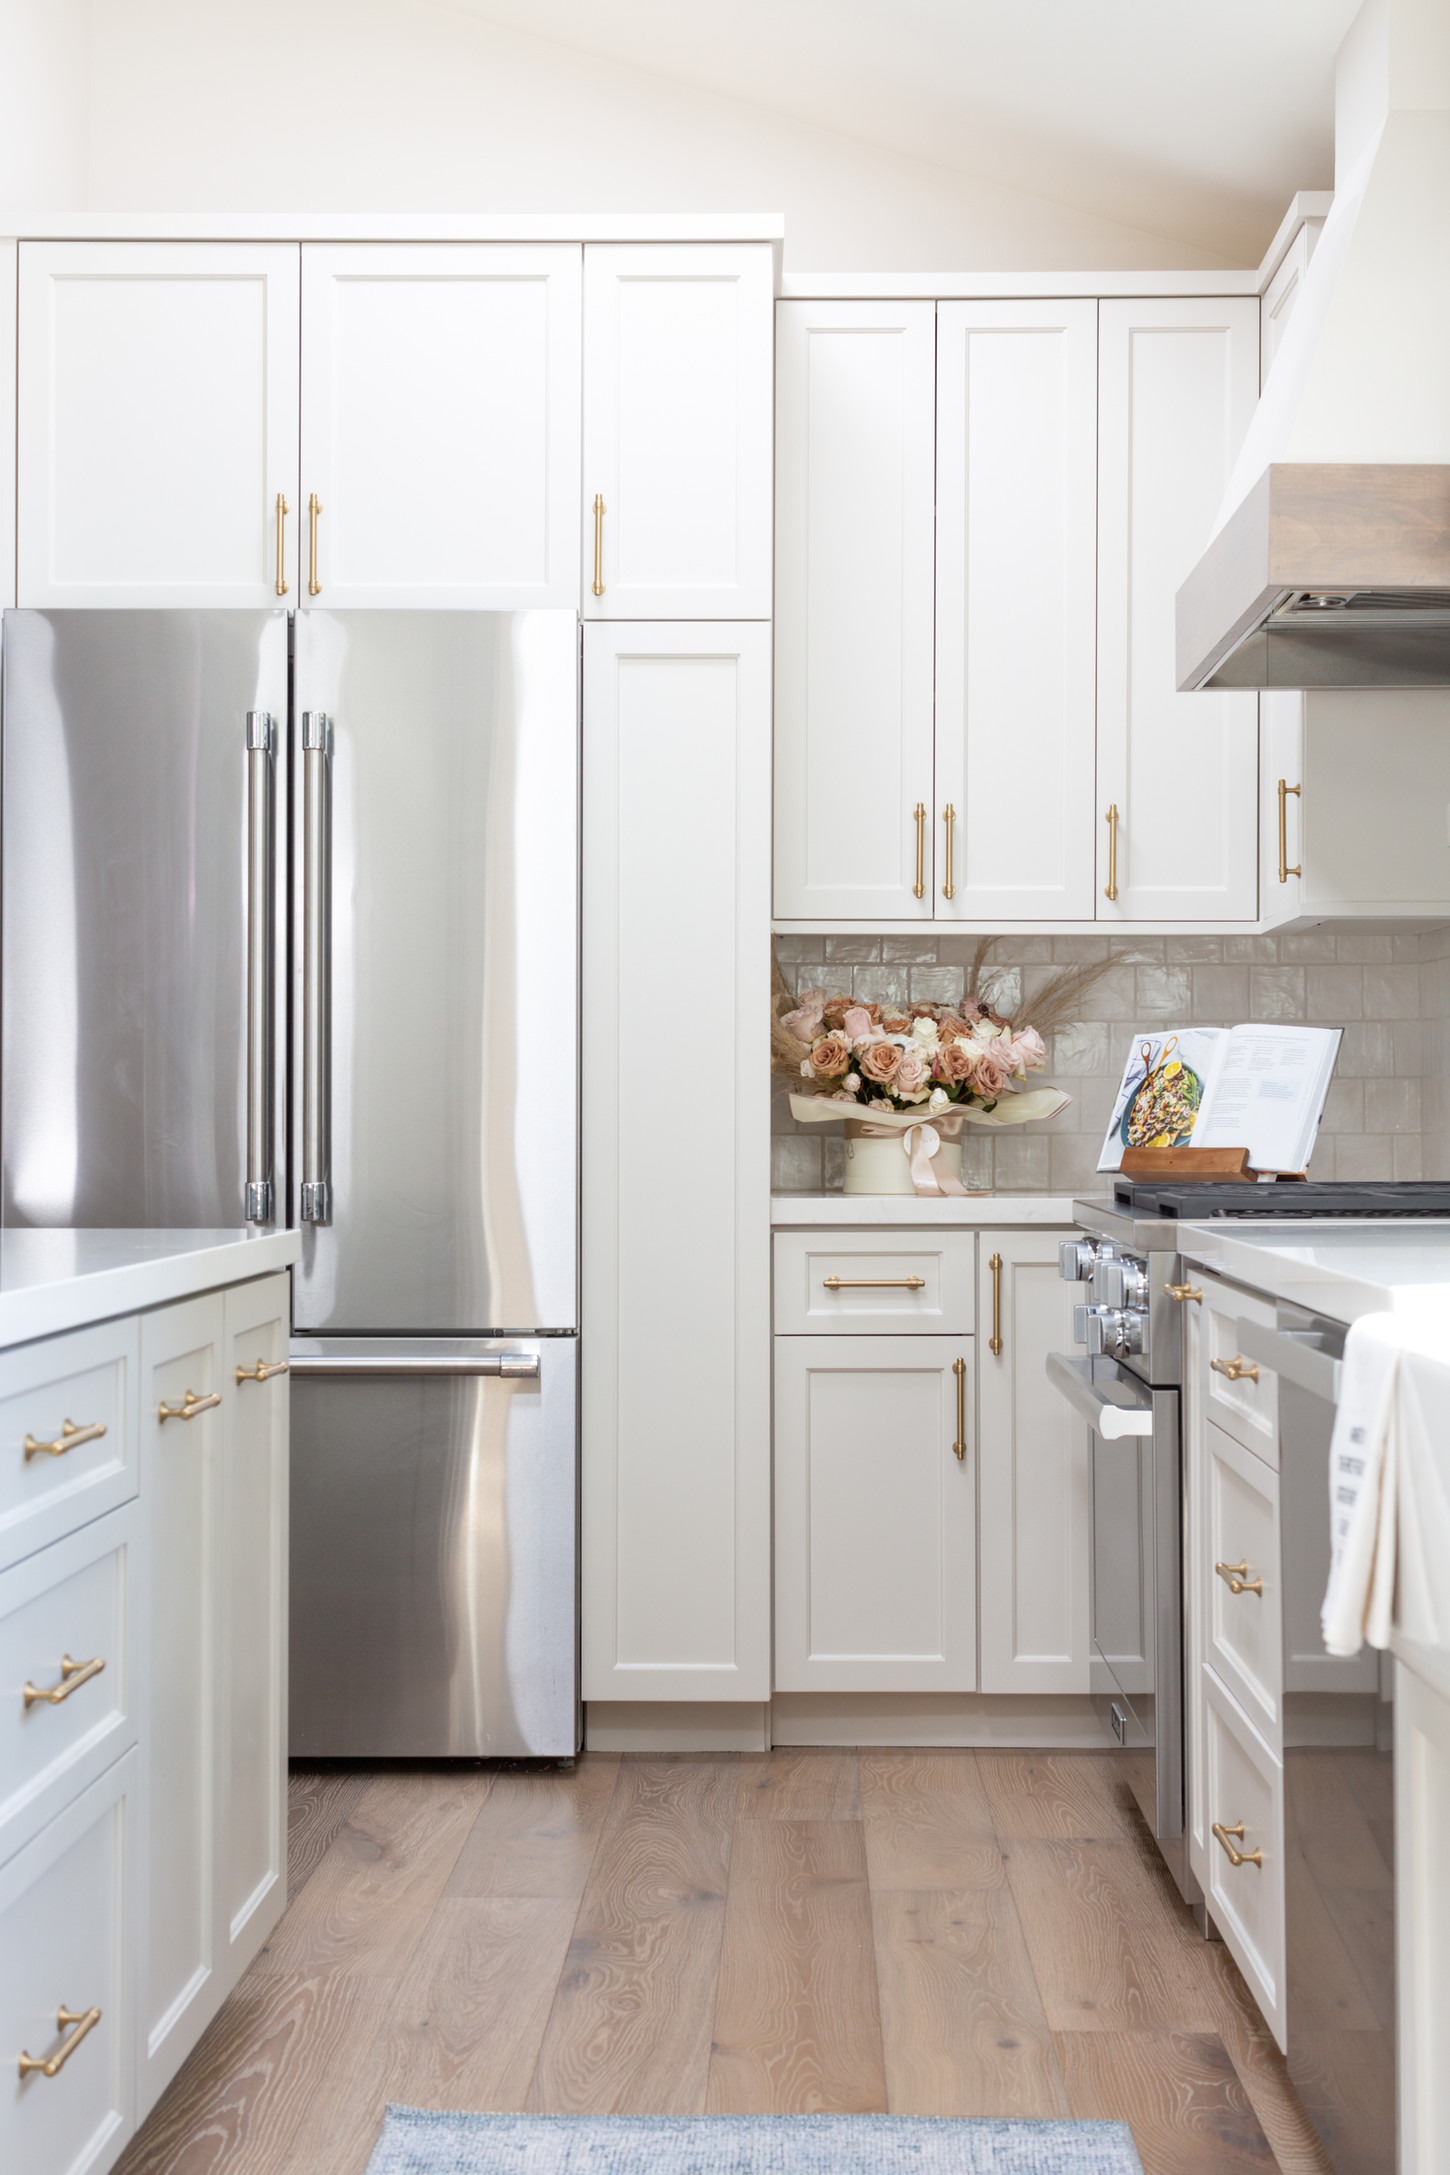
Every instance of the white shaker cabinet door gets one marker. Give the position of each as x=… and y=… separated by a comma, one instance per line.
x=677, y=431
x=1016, y=610
x=875, y=1514
x=1034, y=1487
x=182, y=1398
x=853, y=628
x=440, y=425
x=7, y=419
x=1177, y=383
x=251, y=1770
x=158, y=423
x=676, y=1149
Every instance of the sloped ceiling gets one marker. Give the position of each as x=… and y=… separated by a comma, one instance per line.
x=1191, y=118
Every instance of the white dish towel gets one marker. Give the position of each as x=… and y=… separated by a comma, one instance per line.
x=1366, y=1479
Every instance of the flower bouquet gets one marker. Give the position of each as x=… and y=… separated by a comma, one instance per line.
x=905, y=1079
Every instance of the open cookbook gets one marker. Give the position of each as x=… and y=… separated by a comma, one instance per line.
x=1260, y=1088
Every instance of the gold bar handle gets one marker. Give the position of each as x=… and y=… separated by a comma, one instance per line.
x=1236, y=1369
x=959, y=1447
x=1236, y=1857
x=599, y=512
x=918, y=889
x=70, y=1438
x=73, y=1674
x=189, y=1407
x=263, y=1371
x=1236, y=1577
x=283, y=509
x=314, y=508
x=1184, y=1292
x=1285, y=789
x=84, y=2020
x=949, y=818
x=994, y=1342
x=873, y=1283
x=1110, y=889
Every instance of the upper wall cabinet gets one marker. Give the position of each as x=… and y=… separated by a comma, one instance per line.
x=677, y=431
x=1177, y=774
x=440, y=425
x=853, y=659
x=1016, y=463
x=157, y=408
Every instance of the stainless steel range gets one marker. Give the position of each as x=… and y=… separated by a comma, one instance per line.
x=1125, y=1380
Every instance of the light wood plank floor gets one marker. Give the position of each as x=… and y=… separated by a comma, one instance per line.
x=933, y=1933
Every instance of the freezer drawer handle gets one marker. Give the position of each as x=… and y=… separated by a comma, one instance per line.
x=316, y=971
x=260, y=913
x=73, y=1674
x=84, y=2020
x=69, y=1438
x=189, y=1407
x=263, y=1371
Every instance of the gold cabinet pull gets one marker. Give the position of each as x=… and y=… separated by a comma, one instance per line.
x=918, y=889
x=1236, y=1577
x=599, y=511
x=83, y=2021
x=1285, y=789
x=959, y=1447
x=314, y=508
x=994, y=1342
x=949, y=818
x=1236, y=1369
x=70, y=1438
x=283, y=509
x=873, y=1283
x=1184, y=1292
x=263, y=1371
x=1236, y=1856
x=73, y=1674
x=189, y=1407
x=1110, y=888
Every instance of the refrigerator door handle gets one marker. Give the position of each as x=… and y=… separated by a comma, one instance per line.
x=261, y=995
x=316, y=969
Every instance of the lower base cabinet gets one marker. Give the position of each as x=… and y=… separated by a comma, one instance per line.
x=1422, y=1928
x=875, y=1514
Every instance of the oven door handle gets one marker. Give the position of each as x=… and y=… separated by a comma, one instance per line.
x=1109, y=1406
x=1294, y=1355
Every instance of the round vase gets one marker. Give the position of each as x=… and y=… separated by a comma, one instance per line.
x=883, y=1166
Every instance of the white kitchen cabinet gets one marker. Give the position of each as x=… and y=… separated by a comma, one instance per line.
x=676, y=1147
x=1422, y=1919
x=1034, y=1480
x=250, y=1885
x=1281, y=296
x=1178, y=774
x=853, y=661
x=8, y=254
x=677, y=431
x=1016, y=610
x=440, y=425
x=157, y=403
x=875, y=1513
x=181, y=1453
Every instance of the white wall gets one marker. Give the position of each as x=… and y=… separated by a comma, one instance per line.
x=404, y=105
x=44, y=87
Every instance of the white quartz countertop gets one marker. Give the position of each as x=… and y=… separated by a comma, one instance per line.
x=54, y=1280
x=870, y=1211
x=1339, y=1269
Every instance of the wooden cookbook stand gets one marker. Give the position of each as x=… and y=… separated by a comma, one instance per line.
x=1196, y=1163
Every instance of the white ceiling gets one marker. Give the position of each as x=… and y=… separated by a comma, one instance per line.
x=1191, y=118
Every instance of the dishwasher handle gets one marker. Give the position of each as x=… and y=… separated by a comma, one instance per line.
x=1107, y=1402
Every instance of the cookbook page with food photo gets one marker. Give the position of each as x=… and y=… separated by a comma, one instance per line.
x=1253, y=1086
x=1164, y=1083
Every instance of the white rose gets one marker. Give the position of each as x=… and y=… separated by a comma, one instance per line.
x=806, y=1068
x=925, y=1030
x=851, y=1082
x=938, y=1100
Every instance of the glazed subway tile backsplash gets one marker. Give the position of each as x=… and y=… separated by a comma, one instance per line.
x=1388, y=1112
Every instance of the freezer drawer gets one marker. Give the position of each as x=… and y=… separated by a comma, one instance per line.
x=434, y=1553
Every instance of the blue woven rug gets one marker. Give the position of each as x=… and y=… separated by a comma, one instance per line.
x=415, y=2142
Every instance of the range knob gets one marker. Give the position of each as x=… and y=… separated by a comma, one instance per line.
x=1121, y=1284
x=1078, y=1258
x=1113, y=1332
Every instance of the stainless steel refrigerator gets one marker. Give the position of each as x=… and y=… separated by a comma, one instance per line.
x=290, y=934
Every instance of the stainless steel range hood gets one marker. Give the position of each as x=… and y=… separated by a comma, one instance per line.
x=1330, y=563
x=1325, y=575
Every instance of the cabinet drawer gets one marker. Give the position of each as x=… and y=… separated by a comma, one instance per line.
x=67, y=1448
x=63, y=1911
x=1244, y=1786
x=891, y=1283
x=1245, y=1638
x=1239, y=1393
x=62, y=1611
